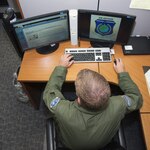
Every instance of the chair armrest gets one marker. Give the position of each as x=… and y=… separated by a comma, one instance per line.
x=122, y=139
x=50, y=134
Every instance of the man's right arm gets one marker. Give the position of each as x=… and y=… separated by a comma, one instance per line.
x=132, y=95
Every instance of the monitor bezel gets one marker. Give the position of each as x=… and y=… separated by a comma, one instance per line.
x=39, y=17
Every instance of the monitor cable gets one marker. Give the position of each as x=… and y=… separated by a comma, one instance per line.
x=98, y=5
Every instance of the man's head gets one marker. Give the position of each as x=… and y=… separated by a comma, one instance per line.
x=92, y=89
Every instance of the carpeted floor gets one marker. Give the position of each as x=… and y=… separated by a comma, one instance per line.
x=21, y=126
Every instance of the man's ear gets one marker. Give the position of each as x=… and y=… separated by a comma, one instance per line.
x=78, y=101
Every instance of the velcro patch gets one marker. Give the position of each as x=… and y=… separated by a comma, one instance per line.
x=127, y=100
x=54, y=102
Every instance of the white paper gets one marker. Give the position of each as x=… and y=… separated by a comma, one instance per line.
x=147, y=76
x=140, y=4
x=128, y=47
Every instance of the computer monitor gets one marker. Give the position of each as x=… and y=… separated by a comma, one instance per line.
x=43, y=32
x=103, y=29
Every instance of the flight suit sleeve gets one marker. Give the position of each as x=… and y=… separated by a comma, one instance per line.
x=132, y=95
x=52, y=93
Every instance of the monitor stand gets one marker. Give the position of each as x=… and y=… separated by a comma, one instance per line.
x=101, y=44
x=48, y=48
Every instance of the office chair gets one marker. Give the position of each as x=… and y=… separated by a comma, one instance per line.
x=54, y=143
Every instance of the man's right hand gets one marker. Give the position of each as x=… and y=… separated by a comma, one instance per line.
x=119, y=66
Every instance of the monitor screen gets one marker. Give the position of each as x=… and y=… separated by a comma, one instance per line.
x=43, y=32
x=104, y=28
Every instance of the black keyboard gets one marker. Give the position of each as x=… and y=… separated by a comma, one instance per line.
x=90, y=54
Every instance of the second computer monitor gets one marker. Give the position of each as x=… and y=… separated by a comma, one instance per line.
x=103, y=29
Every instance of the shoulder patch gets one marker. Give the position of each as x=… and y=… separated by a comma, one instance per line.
x=127, y=100
x=54, y=102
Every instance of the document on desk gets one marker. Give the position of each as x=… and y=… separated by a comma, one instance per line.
x=147, y=76
x=140, y=4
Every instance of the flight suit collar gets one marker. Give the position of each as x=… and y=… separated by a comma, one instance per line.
x=87, y=111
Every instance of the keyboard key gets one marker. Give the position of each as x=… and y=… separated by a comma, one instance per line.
x=84, y=56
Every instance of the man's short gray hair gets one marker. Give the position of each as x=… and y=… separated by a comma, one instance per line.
x=92, y=89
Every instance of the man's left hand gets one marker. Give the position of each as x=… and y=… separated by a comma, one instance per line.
x=66, y=60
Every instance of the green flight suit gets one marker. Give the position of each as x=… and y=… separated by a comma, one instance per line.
x=84, y=129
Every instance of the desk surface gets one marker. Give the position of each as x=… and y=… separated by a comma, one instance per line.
x=145, y=118
x=38, y=68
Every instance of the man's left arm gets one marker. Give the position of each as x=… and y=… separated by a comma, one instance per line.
x=52, y=93
x=54, y=85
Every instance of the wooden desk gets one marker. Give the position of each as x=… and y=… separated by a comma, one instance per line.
x=145, y=118
x=36, y=69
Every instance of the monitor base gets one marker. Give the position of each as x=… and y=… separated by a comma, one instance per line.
x=101, y=44
x=47, y=49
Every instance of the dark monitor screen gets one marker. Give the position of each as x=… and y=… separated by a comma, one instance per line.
x=43, y=32
x=104, y=28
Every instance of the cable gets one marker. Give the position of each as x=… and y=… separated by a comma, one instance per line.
x=98, y=5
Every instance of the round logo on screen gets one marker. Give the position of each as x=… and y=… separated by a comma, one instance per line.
x=104, y=27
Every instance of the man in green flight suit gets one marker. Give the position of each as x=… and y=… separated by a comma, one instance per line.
x=92, y=120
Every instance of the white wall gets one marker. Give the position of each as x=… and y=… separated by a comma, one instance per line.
x=36, y=7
